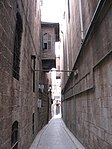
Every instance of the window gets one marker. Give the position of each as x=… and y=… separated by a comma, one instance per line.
x=35, y=7
x=68, y=10
x=33, y=123
x=17, y=45
x=14, y=136
x=46, y=41
x=33, y=57
x=45, y=45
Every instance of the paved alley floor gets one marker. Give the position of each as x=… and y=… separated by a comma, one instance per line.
x=55, y=135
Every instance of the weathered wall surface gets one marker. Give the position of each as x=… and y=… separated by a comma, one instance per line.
x=43, y=112
x=17, y=100
x=90, y=7
x=88, y=92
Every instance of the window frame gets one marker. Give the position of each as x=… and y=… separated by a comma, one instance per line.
x=47, y=40
x=33, y=58
x=17, y=46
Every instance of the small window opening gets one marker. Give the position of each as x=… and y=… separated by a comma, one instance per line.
x=14, y=136
x=45, y=45
x=46, y=41
x=33, y=123
x=68, y=10
x=33, y=57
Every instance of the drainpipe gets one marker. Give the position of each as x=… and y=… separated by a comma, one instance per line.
x=81, y=20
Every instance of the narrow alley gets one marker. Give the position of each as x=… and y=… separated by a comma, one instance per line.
x=55, y=135
x=55, y=74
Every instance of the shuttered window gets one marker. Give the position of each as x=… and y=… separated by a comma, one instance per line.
x=47, y=41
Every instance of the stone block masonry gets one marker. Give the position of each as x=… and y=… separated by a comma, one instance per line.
x=88, y=95
x=18, y=102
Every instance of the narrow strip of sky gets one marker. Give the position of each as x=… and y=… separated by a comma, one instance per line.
x=51, y=11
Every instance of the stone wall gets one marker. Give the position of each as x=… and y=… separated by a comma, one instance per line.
x=18, y=102
x=88, y=91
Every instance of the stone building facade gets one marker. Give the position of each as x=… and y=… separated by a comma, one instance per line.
x=49, y=35
x=87, y=86
x=19, y=56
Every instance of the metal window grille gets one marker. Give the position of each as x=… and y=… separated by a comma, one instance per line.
x=33, y=57
x=17, y=45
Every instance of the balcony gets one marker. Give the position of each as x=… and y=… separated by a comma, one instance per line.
x=50, y=35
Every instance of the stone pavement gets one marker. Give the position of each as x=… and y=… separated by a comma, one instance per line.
x=55, y=135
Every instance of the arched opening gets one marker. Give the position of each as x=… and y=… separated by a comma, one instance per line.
x=14, y=136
